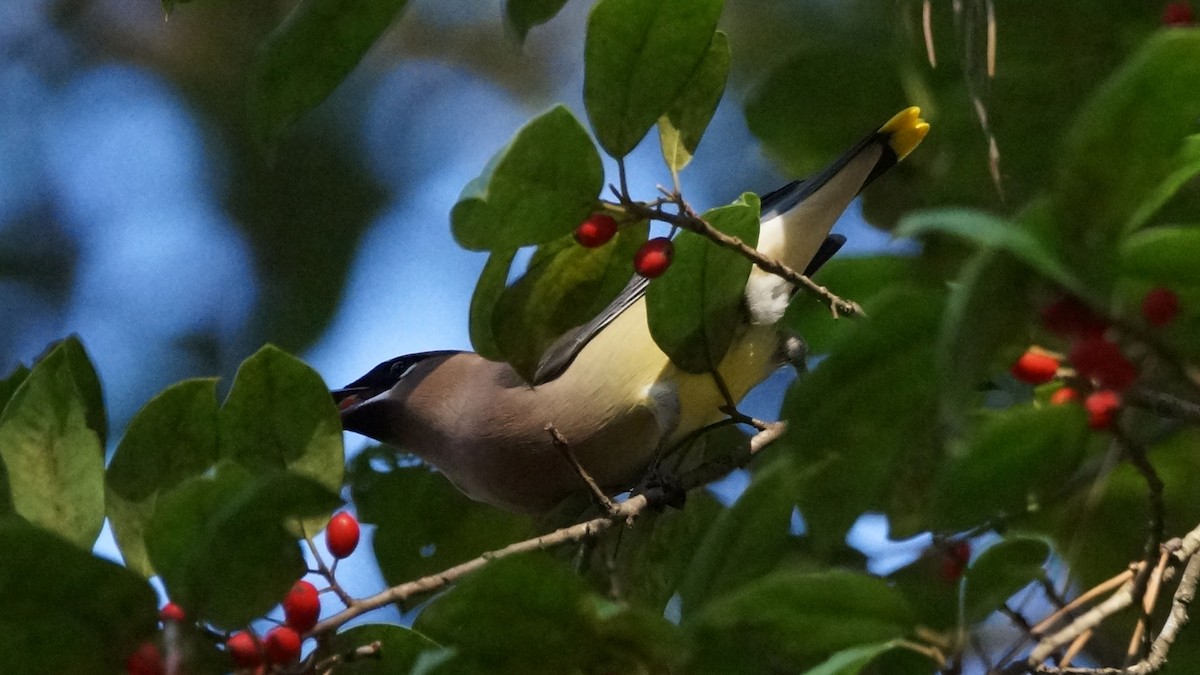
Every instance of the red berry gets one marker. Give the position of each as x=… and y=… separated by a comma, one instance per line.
x=654, y=257
x=1102, y=408
x=302, y=606
x=243, y=649
x=282, y=645
x=597, y=230
x=341, y=535
x=1035, y=367
x=171, y=612
x=147, y=660
x=1064, y=396
x=954, y=560
x=1101, y=360
x=1070, y=316
x=1177, y=14
x=1160, y=307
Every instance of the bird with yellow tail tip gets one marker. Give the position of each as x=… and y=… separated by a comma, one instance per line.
x=606, y=386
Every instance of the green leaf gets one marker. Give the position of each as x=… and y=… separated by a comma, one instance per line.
x=172, y=438
x=308, y=55
x=986, y=310
x=222, y=542
x=1124, y=149
x=990, y=231
x=680, y=130
x=859, y=423
x=399, y=649
x=88, y=384
x=9, y=385
x=523, y=15
x=537, y=189
x=858, y=279
x=424, y=523
x=566, y=286
x=653, y=556
x=65, y=610
x=638, y=57
x=852, y=661
x=483, y=303
x=745, y=542
x=999, y=572
x=52, y=455
x=529, y=614
x=695, y=308
x=279, y=415
x=1185, y=167
x=790, y=620
x=1014, y=461
x=1165, y=255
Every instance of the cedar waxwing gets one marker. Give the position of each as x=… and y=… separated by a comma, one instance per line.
x=606, y=386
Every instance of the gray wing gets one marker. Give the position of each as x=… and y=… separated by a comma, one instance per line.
x=564, y=350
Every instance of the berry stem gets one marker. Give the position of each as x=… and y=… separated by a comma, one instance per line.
x=327, y=573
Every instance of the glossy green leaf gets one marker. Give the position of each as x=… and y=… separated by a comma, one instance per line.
x=9, y=385
x=791, y=620
x=424, y=523
x=88, y=384
x=399, y=649
x=565, y=286
x=695, y=308
x=987, y=309
x=859, y=423
x=279, y=416
x=172, y=438
x=529, y=614
x=854, y=278
x=51, y=452
x=990, y=231
x=522, y=15
x=999, y=572
x=309, y=54
x=680, y=130
x=1165, y=255
x=638, y=57
x=654, y=555
x=852, y=661
x=1015, y=460
x=483, y=303
x=1184, y=167
x=745, y=542
x=224, y=543
x=65, y=610
x=1126, y=143
x=535, y=190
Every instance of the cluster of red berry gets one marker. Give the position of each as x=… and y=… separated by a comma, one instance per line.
x=1100, y=366
x=650, y=261
x=281, y=646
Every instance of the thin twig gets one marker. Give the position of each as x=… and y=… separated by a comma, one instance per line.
x=324, y=571
x=1163, y=404
x=373, y=650
x=689, y=220
x=561, y=444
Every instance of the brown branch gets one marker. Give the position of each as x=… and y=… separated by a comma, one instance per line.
x=324, y=570
x=1180, y=550
x=688, y=219
x=560, y=443
x=373, y=650
x=625, y=511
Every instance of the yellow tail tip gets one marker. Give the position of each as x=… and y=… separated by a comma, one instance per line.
x=906, y=131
